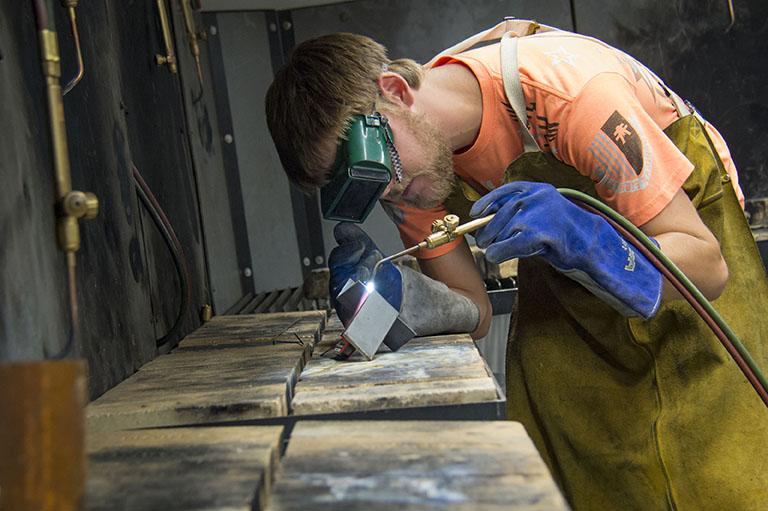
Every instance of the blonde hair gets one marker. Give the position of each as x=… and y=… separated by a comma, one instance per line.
x=311, y=99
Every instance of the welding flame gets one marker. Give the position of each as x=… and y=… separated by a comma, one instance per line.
x=370, y=287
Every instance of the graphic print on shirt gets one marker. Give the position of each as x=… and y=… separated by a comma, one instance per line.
x=546, y=131
x=509, y=110
x=623, y=157
x=561, y=56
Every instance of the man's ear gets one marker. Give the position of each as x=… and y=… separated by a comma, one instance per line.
x=395, y=89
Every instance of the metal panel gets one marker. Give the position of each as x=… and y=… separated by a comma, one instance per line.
x=416, y=30
x=259, y=5
x=218, y=184
x=306, y=208
x=271, y=230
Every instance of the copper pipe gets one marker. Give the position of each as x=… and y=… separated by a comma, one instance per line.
x=732, y=15
x=73, y=348
x=70, y=6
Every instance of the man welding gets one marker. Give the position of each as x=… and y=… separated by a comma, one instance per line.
x=624, y=390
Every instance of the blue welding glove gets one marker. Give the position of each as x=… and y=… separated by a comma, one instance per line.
x=406, y=290
x=533, y=219
x=354, y=259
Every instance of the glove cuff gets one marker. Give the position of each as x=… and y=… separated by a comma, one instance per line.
x=430, y=307
x=635, y=284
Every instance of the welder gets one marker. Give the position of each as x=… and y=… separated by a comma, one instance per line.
x=627, y=395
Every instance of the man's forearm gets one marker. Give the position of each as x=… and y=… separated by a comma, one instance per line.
x=699, y=259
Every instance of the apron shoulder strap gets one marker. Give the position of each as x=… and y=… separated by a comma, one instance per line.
x=518, y=27
x=513, y=88
x=508, y=31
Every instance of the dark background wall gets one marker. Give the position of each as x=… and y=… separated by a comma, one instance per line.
x=724, y=73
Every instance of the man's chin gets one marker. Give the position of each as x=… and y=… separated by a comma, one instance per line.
x=424, y=202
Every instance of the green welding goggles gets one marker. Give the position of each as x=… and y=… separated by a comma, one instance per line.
x=365, y=157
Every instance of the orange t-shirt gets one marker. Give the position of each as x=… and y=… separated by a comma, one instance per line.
x=589, y=105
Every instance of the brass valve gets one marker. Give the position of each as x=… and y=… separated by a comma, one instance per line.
x=443, y=231
x=169, y=60
x=448, y=229
x=206, y=313
x=75, y=205
x=80, y=205
x=448, y=224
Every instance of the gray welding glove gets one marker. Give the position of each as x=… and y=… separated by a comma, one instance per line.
x=425, y=305
x=430, y=307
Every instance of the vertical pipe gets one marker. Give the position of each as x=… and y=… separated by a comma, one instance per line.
x=70, y=205
x=165, y=25
x=73, y=345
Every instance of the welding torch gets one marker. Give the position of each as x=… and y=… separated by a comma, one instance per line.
x=444, y=230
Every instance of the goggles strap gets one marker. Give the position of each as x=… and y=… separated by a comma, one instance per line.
x=393, y=154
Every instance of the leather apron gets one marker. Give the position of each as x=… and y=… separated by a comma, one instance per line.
x=634, y=414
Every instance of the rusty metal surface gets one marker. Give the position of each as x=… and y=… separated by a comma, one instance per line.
x=42, y=456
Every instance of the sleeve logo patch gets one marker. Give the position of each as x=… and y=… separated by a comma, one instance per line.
x=626, y=138
x=622, y=156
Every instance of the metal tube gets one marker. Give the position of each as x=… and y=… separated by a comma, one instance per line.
x=472, y=225
x=52, y=71
x=732, y=16
x=194, y=47
x=73, y=349
x=44, y=15
x=170, y=57
x=395, y=256
x=76, y=37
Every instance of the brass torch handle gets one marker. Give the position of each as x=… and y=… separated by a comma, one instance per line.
x=445, y=235
x=473, y=225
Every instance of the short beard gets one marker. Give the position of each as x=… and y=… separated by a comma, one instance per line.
x=439, y=168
